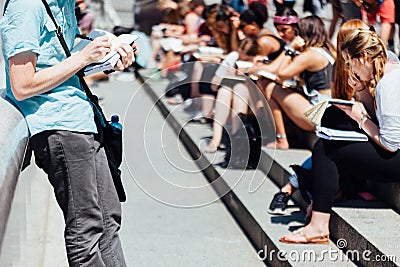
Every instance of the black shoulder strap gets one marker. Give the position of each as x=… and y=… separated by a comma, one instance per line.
x=58, y=29
x=5, y=6
x=67, y=52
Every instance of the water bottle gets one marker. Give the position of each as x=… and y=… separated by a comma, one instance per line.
x=115, y=122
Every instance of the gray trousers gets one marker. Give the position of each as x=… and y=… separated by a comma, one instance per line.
x=77, y=169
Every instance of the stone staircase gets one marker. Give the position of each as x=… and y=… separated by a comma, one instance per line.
x=362, y=233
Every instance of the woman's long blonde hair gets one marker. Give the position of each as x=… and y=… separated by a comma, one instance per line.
x=341, y=88
x=368, y=42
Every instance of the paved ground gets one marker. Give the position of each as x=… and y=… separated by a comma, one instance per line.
x=161, y=226
x=157, y=229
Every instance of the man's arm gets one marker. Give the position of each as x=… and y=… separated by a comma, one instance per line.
x=26, y=82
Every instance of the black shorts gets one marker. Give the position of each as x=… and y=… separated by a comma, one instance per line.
x=206, y=77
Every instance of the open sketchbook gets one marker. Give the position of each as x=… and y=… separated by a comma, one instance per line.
x=209, y=51
x=331, y=134
x=263, y=73
x=111, y=59
x=317, y=111
x=272, y=76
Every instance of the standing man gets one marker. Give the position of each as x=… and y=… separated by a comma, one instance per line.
x=43, y=84
x=2, y=74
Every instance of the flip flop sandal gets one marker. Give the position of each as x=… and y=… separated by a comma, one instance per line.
x=319, y=239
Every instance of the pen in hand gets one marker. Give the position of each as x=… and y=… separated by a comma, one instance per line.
x=84, y=37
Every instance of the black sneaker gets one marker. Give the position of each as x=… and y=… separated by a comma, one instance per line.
x=279, y=203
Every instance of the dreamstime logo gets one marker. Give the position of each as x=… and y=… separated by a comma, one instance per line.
x=330, y=254
x=341, y=243
x=171, y=175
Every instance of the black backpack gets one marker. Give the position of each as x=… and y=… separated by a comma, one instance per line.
x=244, y=150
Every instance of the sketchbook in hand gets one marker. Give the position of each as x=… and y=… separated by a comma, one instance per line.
x=332, y=134
x=110, y=60
x=317, y=111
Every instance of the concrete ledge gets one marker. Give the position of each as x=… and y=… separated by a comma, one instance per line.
x=13, y=141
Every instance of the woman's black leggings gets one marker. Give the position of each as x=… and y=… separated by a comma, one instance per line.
x=348, y=160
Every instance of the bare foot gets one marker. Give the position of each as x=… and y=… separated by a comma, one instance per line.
x=281, y=143
x=211, y=148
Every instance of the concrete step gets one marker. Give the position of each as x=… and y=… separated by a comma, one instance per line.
x=357, y=223
x=352, y=224
x=388, y=193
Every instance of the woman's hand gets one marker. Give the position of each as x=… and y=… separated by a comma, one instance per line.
x=355, y=83
x=298, y=43
x=252, y=70
x=127, y=56
x=261, y=60
x=355, y=111
x=358, y=113
x=235, y=21
x=96, y=50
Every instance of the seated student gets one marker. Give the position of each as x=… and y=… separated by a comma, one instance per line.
x=192, y=12
x=311, y=57
x=252, y=23
x=340, y=89
x=197, y=32
x=170, y=27
x=222, y=21
x=286, y=23
x=378, y=158
x=184, y=22
x=248, y=49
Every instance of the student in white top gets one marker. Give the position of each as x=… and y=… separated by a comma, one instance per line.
x=378, y=159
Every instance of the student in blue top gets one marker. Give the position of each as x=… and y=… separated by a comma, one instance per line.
x=43, y=84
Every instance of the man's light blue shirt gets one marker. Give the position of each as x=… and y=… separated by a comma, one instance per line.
x=27, y=27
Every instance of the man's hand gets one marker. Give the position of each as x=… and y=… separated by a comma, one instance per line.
x=96, y=49
x=127, y=56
